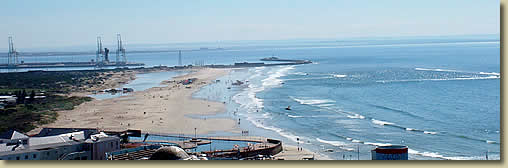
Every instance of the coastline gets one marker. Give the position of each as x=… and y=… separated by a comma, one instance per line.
x=155, y=110
x=168, y=109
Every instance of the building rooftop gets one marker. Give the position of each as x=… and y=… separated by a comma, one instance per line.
x=63, y=138
x=50, y=142
x=58, y=131
x=12, y=135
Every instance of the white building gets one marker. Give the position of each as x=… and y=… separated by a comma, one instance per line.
x=67, y=146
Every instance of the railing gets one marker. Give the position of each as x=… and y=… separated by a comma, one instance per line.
x=109, y=155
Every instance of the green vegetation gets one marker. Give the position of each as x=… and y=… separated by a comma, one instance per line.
x=28, y=112
x=24, y=117
x=56, y=81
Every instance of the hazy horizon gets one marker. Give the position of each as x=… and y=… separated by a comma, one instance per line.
x=215, y=44
x=53, y=24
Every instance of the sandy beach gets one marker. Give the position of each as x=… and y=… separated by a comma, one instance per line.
x=156, y=110
x=291, y=152
x=159, y=110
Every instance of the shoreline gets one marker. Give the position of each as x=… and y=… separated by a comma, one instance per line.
x=155, y=110
x=290, y=152
x=160, y=110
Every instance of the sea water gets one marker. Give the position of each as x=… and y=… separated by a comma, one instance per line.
x=142, y=82
x=441, y=99
x=440, y=96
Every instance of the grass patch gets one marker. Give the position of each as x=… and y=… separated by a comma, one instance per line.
x=25, y=117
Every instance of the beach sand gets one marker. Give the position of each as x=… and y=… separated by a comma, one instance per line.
x=156, y=110
x=159, y=110
x=291, y=152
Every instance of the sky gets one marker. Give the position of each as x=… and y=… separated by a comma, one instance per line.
x=59, y=23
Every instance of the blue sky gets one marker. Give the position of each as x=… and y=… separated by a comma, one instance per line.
x=53, y=23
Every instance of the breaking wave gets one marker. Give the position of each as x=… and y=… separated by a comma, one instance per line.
x=436, y=70
x=273, y=79
x=340, y=76
x=315, y=78
x=253, y=103
x=377, y=144
x=299, y=73
x=356, y=116
x=379, y=122
x=339, y=144
x=429, y=132
x=440, y=156
x=292, y=116
x=275, y=129
x=438, y=79
x=449, y=70
x=334, y=143
x=312, y=101
x=325, y=105
x=490, y=73
x=426, y=154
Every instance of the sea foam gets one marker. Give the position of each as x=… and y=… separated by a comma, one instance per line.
x=356, y=116
x=334, y=143
x=292, y=116
x=379, y=122
x=312, y=101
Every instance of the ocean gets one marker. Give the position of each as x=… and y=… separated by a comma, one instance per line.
x=440, y=96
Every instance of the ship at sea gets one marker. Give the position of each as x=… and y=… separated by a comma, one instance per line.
x=270, y=59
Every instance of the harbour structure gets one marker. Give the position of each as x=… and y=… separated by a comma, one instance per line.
x=121, y=59
x=101, y=58
x=285, y=60
x=99, y=54
x=12, y=55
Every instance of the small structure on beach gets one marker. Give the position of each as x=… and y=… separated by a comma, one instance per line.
x=390, y=152
x=189, y=81
x=125, y=90
x=237, y=83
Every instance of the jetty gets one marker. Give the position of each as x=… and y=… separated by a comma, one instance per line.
x=260, y=64
x=286, y=60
